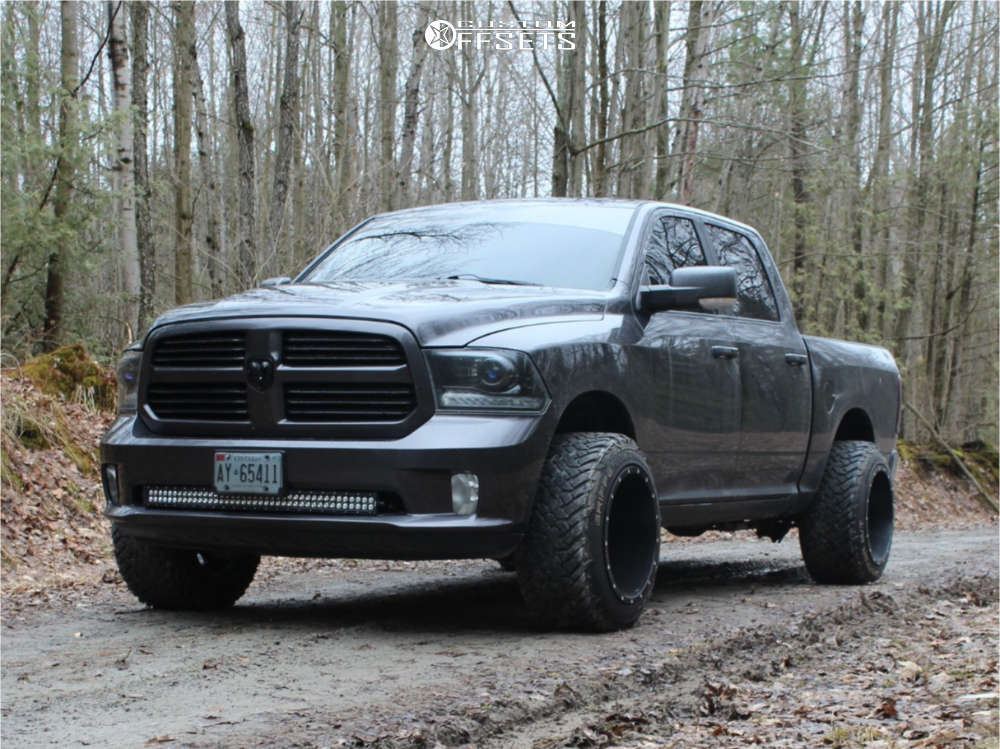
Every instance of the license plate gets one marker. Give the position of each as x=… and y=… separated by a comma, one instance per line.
x=248, y=473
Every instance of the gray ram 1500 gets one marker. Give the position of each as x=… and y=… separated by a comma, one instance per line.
x=543, y=382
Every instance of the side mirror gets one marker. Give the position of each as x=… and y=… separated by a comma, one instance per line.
x=691, y=286
x=276, y=281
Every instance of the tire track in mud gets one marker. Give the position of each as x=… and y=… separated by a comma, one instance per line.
x=446, y=654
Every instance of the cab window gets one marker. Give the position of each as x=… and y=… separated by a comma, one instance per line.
x=673, y=243
x=756, y=298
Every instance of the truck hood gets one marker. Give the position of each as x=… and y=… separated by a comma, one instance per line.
x=437, y=312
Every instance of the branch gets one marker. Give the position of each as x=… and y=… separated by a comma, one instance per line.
x=545, y=80
x=72, y=95
x=986, y=498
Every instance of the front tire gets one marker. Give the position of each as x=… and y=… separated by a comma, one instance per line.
x=846, y=535
x=182, y=579
x=593, y=544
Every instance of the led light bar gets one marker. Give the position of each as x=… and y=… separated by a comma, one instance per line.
x=316, y=502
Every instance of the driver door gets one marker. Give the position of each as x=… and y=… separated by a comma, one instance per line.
x=694, y=425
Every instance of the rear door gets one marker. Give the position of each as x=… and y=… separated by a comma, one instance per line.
x=692, y=429
x=776, y=390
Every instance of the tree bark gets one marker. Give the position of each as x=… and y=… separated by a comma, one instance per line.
x=603, y=104
x=341, y=123
x=634, y=156
x=701, y=18
x=184, y=41
x=577, y=64
x=213, y=248
x=878, y=179
x=411, y=100
x=123, y=165
x=139, y=12
x=69, y=60
x=797, y=157
x=288, y=113
x=388, y=51
x=661, y=27
x=247, y=231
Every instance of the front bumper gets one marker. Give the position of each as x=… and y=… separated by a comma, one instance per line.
x=505, y=452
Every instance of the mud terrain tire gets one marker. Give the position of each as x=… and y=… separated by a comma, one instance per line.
x=846, y=534
x=182, y=579
x=590, y=555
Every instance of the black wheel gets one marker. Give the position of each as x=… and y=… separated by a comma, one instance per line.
x=846, y=534
x=182, y=579
x=593, y=543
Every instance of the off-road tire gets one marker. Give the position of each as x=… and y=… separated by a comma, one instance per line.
x=182, y=579
x=589, y=558
x=846, y=534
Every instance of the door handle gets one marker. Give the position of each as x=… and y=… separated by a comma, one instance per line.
x=796, y=360
x=725, y=352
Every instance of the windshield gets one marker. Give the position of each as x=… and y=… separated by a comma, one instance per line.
x=576, y=245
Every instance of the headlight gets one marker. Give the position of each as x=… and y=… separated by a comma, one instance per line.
x=127, y=375
x=486, y=380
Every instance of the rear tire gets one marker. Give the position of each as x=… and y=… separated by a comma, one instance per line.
x=846, y=535
x=593, y=544
x=182, y=579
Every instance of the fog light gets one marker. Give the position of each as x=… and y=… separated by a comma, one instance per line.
x=464, y=493
x=110, y=475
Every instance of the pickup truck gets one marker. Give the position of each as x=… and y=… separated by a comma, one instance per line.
x=547, y=383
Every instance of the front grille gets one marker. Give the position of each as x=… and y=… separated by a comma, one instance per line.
x=314, y=502
x=348, y=402
x=201, y=350
x=340, y=349
x=322, y=381
x=198, y=401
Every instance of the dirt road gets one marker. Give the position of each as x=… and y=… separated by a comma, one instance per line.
x=443, y=653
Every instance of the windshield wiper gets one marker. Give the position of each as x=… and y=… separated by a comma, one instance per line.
x=483, y=279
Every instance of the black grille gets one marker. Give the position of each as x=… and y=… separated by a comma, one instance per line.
x=347, y=402
x=198, y=401
x=338, y=349
x=201, y=350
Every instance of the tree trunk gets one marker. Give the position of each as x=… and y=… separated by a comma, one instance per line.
x=69, y=60
x=911, y=316
x=388, y=51
x=797, y=157
x=634, y=156
x=341, y=123
x=247, y=231
x=854, y=24
x=213, y=249
x=184, y=41
x=701, y=18
x=411, y=100
x=288, y=113
x=661, y=26
x=600, y=186
x=125, y=177
x=577, y=64
x=878, y=187
x=139, y=11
